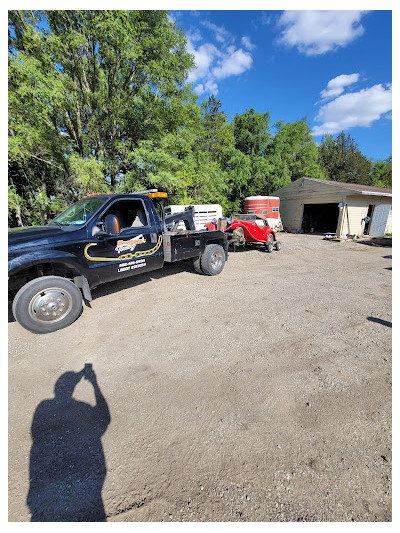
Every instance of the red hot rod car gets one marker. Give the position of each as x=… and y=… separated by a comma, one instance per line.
x=252, y=228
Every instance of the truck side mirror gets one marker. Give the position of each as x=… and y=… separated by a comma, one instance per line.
x=111, y=224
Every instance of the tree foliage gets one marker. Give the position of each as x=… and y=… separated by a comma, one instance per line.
x=86, y=87
x=298, y=152
x=381, y=173
x=342, y=160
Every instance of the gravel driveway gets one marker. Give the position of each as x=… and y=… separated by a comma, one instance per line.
x=261, y=394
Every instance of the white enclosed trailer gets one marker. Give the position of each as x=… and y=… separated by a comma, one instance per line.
x=202, y=213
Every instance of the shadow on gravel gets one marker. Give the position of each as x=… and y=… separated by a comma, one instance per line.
x=168, y=269
x=67, y=464
x=387, y=257
x=10, y=313
x=380, y=321
x=375, y=241
x=133, y=281
x=259, y=246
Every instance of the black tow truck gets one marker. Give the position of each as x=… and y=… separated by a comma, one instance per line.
x=100, y=238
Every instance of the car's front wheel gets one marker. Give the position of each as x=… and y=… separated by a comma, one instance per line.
x=270, y=243
x=47, y=304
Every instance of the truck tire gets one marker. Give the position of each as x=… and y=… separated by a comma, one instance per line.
x=47, y=304
x=197, y=265
x=213, y=259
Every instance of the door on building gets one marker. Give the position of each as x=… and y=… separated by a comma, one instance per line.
x=379, y=217
x=370, y=213
x=320, y=218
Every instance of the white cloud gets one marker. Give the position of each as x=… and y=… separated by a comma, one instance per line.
x=217, y=61
x=221, y=34
x=199, y=88
x=211, y=87
x=354, y=109
x=246, y=42
x=336, y=86
x=194, y=35
x=234, y=62
x=261, y=18
x=204, y=57
x=318, y=32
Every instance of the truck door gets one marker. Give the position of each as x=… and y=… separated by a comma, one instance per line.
x=126, y=240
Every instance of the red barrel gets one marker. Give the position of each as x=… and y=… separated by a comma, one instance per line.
x=263, y=205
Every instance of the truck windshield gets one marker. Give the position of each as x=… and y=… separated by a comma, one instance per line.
x=79, y=212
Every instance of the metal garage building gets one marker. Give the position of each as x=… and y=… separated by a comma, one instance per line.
x=310, y=205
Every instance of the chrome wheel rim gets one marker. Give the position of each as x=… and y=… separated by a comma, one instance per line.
x=50, y=305
x=217, y=259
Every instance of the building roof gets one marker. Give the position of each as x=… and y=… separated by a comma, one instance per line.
x=363, y=189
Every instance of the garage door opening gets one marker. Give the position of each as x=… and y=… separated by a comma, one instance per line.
x=320, y=218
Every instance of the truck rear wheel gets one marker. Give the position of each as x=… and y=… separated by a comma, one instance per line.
x=47, y=304
x=213, y=259
x=197, y=265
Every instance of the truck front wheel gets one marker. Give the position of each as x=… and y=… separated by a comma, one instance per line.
x=47, y=304
x=213, y=259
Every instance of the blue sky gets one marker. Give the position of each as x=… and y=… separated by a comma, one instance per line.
x=332, y=67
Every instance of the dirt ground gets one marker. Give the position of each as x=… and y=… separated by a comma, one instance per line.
x=261, y=394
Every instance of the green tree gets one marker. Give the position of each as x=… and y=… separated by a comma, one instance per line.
x=341, y=160
x=275, y=160
x=218, y=133
x=85, y=89
x=381, y=173
x=179, y=164
x=251, y=131
x=296, y=150
x=252, y=139
x=238, y=171
x=36, y=150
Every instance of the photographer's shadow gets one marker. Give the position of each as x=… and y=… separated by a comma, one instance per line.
x=67, y=463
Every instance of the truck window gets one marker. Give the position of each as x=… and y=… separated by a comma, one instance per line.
x=130, y=214
x=158, y=209
x=79, y=212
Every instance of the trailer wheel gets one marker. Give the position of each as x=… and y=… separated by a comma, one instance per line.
x=47, y=304
x=213, y=259
x=270, y=243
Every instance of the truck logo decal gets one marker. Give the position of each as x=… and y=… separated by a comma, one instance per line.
x=124, y=257
x=122, y=246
